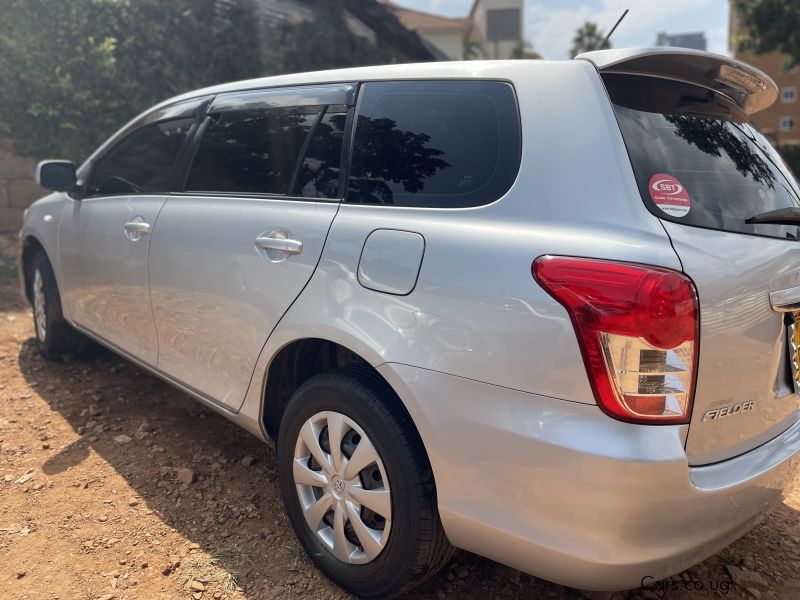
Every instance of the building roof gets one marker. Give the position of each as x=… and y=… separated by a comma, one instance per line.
x=423, y=21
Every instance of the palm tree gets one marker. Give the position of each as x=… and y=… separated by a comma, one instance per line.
x=588, y=37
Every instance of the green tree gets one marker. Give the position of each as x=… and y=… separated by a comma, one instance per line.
x=73, y=72
x=767, y=25
x=587, y=38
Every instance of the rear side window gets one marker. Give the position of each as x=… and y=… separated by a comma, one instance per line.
x=705, y=172
x=438, y=144
x=251, y=151
x=142, y=163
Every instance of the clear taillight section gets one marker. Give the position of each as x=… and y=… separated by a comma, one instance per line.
x=638, y=331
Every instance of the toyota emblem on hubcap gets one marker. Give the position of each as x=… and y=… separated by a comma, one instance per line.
x=338, y=485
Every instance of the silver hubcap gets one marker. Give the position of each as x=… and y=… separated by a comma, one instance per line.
x=40, y=319
x=342, y=487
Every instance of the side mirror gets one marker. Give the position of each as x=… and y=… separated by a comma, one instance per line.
x=56, y=175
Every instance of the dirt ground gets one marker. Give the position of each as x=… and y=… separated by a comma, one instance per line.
x=115, y=485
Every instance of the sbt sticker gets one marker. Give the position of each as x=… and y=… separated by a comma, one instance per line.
x=669, y=195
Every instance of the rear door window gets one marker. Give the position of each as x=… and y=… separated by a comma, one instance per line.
x=251, y=151
x=706, y=172
x=318, y=174
x=439, y=144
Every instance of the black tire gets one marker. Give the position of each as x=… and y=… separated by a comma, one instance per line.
x=57, y=338
x=416, y=547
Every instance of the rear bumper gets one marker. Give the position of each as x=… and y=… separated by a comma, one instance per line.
x=561, y=491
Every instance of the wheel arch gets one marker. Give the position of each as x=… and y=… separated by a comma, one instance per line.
x=31, y=245
x=300, y=359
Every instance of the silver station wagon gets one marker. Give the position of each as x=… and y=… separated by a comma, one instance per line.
x=541, y=311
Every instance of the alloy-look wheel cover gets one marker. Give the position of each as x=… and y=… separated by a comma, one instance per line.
x=335, y=487
x=39, y=307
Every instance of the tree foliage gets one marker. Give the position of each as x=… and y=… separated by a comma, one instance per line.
x=767, y=25
x=588, y=37
x=74, y=71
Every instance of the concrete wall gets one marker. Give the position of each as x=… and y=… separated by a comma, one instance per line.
x=17, y=187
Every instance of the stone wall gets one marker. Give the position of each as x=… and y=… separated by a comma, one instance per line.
x=17, y=187
x=17, y=191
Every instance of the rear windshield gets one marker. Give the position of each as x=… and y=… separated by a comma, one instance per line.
x=706, y=172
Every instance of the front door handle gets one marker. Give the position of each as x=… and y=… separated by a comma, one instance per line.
x=284, y=245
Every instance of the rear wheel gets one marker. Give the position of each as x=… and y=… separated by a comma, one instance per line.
x=54, y=336
x=358, y=487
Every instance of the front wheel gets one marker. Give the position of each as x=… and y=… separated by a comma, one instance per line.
x=358, y=486
x=54, y=336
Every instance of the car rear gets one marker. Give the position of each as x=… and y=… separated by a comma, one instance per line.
x=691, y=364
x=704, y=172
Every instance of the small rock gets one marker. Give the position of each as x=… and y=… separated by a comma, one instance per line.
x=45, y=446
x=21, y=574
x=754, y=592
x=247, y=460
x=122, y=439
x=26, y=477
x=197, y=586
x=748, y=562
x=133, y=502
x=106, y=597
x=185, y=476
x=142, y=431
x=745, y=578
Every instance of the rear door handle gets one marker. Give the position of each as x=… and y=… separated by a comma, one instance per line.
x=137, y=228
x=287, y=246
x=787, y=300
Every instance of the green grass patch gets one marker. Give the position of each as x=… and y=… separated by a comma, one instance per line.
x=8, y=273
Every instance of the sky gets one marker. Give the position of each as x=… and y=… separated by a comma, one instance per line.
x=550, y=25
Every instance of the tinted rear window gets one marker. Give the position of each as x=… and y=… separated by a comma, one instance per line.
x=318, y=176
x=441, y=144
x=252, y=151
x=706, y=172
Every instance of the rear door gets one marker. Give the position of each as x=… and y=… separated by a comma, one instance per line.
x=704, y=173
x=233, y=251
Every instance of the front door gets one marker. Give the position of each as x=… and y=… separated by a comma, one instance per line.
x=104, y=238
x=234, y=250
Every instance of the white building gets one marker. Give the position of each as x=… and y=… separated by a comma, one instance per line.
x=492, y=29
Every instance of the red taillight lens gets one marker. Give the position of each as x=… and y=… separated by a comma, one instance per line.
x=638, y=330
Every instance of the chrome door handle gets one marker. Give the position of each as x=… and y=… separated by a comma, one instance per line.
x=277, y=244
x=139, y=228
x=785, y=300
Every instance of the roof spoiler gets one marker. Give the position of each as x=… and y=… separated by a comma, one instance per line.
x=750, y=89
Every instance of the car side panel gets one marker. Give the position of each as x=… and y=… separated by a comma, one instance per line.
x=476, y=311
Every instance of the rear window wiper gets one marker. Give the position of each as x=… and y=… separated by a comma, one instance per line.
x=783, y=216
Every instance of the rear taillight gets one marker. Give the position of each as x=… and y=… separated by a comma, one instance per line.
x=638, y=330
